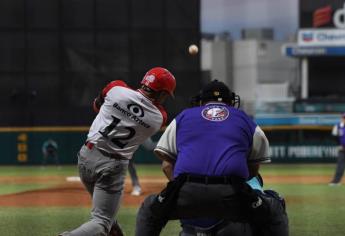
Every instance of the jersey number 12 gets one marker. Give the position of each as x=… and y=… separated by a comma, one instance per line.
x=120, y=141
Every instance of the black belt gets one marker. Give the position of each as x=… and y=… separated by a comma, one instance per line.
x=116, y=156
x=210, y=179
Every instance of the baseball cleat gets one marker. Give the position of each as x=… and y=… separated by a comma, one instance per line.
x=136, y=191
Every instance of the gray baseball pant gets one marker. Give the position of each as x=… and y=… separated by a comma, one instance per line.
x=103, y=177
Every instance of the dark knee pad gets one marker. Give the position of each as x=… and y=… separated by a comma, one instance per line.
x=277, y=221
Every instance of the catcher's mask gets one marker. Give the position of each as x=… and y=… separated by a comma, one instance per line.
x=216, y=91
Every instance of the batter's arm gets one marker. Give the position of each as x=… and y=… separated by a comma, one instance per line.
x=99, y=100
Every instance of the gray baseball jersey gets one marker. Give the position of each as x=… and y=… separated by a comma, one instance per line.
x=125, y=120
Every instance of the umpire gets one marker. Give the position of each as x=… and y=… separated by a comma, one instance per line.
x=208, y=153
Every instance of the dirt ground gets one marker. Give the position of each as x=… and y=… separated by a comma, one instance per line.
x=65, y=193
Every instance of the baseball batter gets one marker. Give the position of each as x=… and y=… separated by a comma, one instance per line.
x=125, y=120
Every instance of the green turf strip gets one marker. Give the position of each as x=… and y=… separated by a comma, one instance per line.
x=155, y=170
x=54, y=220
x=297, y=169
x=16, y=188
x=305, y=219
x=38, y=171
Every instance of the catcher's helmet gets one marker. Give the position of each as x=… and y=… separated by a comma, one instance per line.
x=159, y=79
x=218, y=91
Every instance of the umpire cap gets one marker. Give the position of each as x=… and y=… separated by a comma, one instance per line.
x=216, y=91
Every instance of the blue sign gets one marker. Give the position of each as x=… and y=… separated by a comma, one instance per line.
x=299, y=51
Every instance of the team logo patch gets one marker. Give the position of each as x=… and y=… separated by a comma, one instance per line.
x=215, y=113
x=136, y=109
x=149, y=79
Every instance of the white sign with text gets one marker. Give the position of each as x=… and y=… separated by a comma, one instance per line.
x=321, y=37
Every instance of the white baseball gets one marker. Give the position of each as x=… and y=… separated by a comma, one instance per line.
x=193, y=49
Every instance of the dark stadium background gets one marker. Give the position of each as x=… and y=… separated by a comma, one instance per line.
x=56, y=55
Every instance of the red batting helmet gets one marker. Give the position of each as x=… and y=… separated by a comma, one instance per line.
x=160, y=79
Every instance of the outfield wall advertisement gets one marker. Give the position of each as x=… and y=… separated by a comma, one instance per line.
x=24, y=148
x=303, y=152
